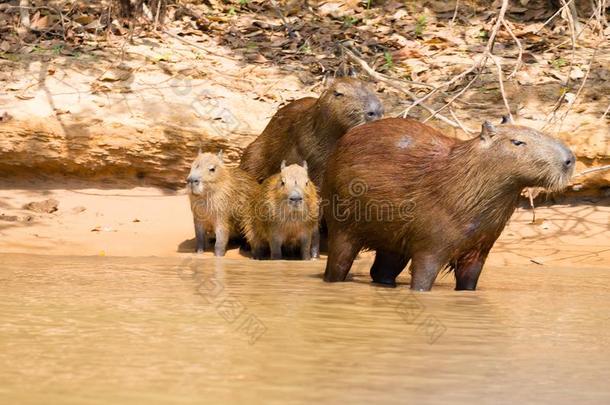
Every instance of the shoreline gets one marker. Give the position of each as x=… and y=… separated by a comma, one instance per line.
x=153, y=222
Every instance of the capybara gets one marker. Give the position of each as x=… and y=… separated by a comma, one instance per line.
x=284, y=213
x=219, y=196
x=307, y=129
x=405, y=190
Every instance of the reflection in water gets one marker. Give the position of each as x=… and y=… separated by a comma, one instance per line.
x=102, y=330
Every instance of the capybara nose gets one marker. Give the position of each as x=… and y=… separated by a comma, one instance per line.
x=192, y=180
x=374, y=114
x=295, y=198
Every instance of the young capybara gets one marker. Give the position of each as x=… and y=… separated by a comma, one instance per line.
x=284, y=213
x=219, y=196
x=405, y=190
x=307, y=129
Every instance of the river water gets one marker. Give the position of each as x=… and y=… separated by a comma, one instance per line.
x=97, y=330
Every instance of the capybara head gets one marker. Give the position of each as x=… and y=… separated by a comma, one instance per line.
x=529, y=157
x=350, y=102
x=293, y=185
x=207, y=169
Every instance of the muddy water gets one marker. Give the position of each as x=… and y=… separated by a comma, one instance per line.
x=101, y=330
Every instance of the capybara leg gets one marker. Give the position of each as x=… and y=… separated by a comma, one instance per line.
x=201, y=237
x=341, y=254
x=306, y=247
x=467, y=272
x=315, y=243
x=222, y=239
x=424, y=269
x=387, y=266
x=275, y=244
x=258, y=250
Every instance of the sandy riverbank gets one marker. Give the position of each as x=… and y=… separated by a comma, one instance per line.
x=154, y=222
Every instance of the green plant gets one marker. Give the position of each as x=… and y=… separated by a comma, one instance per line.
x=559, y=63
x=389, y=63
x=231, y=11
x=420, y=25
x=243, y=2
x=349, y=21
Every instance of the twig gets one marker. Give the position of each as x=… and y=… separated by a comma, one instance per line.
x=278, y=10
x=605, y=113
x=477, y=66
x=530, y=196
x=24, y=7
x=520, y=56
x=455, y=117
x=157, y=15
x=553, y=16
x=501, y=81
x=379, y=77
x=582, y=85
x=592, y=170
x=457, y=5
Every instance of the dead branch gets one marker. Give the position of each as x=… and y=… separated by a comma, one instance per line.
x=593, y=170
x=393, y=83
x=518, y=42
x=24, y=11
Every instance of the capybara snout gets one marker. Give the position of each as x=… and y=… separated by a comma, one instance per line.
x=536, y=159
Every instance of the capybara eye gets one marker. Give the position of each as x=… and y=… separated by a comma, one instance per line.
x=338, y=94
x=283, y=183
x=212, y=169
x=517, y=142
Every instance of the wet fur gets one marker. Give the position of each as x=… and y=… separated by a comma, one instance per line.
x=307, y=129
x=458, y=196
x=223, y=204
x=269, y=217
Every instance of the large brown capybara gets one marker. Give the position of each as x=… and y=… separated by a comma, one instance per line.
x=308, y=128
x=405, y=190
x=284, y=213
x=219, y=196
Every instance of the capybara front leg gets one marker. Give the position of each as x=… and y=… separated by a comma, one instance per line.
x=306, y=246
x=200, y=236
x=275, y=244
x=341, y=254
x=424, y=269
x=468, y=270
x=387, y=266
x=315, y=243
x=222, y=240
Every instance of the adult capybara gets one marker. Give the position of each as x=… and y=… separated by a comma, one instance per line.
x=405, y=190
x=284, y=213
x=219, y=196
x=307, y=129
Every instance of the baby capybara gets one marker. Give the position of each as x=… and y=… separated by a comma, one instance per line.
x=219, y=196
x=307, y=129
x=405, y=190
x=284, y=213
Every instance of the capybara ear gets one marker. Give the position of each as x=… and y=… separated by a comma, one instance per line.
x=507, y=119
x=219, y=155
x=487, y=131
x=283, y=165
x=305, y=165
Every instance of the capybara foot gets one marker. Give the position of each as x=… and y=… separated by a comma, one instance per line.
x=385, y=282
x=199, y=251
x=466, y=285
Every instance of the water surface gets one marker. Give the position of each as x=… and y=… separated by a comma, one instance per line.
x=107, y=330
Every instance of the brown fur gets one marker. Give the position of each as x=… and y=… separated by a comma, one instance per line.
x=218, y=200
x=275, y=222
x=404, y=189
x=307, y=129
